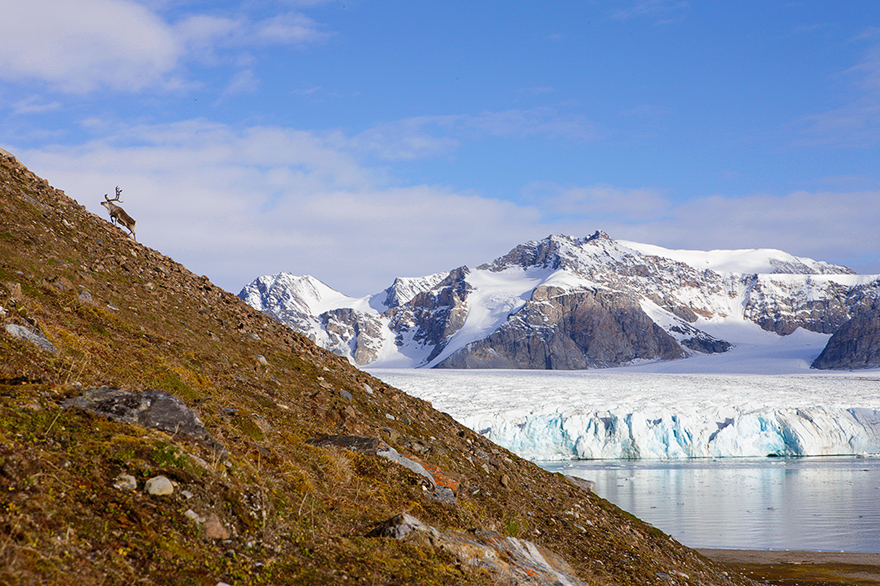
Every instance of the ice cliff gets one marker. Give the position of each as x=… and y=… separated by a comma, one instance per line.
x=722, y=433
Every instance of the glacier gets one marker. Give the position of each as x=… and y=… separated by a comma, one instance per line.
x=724, y=432
x=759, y=400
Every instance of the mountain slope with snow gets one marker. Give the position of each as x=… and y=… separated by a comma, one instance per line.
x=571, y=303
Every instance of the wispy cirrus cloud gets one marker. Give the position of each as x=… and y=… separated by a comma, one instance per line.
x=855, y=124
x=430, y=136
x=650, y=8
x=599, y=202
x=35, y=105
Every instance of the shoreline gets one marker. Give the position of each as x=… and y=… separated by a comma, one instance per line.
x=804, y=567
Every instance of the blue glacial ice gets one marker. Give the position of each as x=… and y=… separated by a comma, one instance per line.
x=554, y=415
x=725, y=433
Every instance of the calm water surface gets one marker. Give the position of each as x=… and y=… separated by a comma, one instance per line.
x=818, y=504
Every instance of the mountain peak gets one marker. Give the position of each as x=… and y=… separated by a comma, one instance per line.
x=575, y=301
x=599, y=235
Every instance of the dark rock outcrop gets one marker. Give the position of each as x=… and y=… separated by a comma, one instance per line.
x=855, y=345
x=152, y=409
x=567, y=330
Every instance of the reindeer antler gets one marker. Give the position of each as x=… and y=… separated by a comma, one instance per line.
x=118, y=193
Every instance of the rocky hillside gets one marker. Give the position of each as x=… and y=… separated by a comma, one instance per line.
x=856, y=344
x=570, y=303
x=154, y=429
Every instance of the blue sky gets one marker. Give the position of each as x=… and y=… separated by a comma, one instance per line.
x=365, y=139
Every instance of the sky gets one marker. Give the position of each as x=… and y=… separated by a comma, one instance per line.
x=360, y=140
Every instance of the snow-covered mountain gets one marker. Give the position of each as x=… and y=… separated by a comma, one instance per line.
x=571, y=303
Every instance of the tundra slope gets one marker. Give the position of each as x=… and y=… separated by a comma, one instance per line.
x=272, y=508
x=570, y=303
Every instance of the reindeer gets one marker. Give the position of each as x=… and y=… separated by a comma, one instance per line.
x=117, y=214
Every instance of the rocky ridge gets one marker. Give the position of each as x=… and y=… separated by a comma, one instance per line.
x=856, y=344
x=170, y=434
x=572, y=303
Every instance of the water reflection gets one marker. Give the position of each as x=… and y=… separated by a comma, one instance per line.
x=821, y=504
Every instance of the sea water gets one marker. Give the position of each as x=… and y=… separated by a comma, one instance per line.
x=816, y=504
x=827, y=503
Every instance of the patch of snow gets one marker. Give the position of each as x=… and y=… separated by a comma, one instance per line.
x=496, y=296
x=743, y=261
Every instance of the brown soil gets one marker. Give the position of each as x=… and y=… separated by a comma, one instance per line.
x=791, y=568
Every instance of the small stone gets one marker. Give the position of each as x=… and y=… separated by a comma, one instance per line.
x=186, y=494
x=85, y=296
x=505, y=480
x=214, y=529
x=158, y=486
x=393, y=434
x=346, y=395
x=192, y=515
x=368, y=388
x=125, y=482
x=14, y=291
x=390, y=416
x=261, y=360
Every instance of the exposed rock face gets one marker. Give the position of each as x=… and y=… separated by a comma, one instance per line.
x=565, y=330
x=782, y=305
x=511, y=560
x=569, y=303
x=405, y=288
x=31, y=335
x=855, y=345
x=346, y=327
x=432, y=317
x=153, y=409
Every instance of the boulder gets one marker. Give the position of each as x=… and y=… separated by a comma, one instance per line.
x=35, y=337
x=511, y=560
x=153, y=409
x=158, y=486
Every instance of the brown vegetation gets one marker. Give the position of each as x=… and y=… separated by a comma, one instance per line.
x=121, y=314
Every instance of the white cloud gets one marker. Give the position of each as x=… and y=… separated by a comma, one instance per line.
x=79, y=46
x=243, y=82
x=831, y=226
x=86, y=45
x=405, y=140
x=645, y=8
x=289, y=28
x=597, y=202
x=239, y=204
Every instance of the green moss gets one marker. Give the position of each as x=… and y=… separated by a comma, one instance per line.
x=167, y=456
